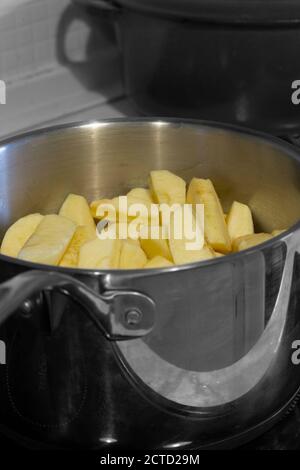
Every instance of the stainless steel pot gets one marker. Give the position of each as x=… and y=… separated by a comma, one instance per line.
x=234, y=61
x=201, y=352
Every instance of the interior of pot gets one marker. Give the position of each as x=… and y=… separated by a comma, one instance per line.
x=106, y=159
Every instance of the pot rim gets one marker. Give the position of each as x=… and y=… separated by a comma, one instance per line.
x=289, y=149
x=264, y=13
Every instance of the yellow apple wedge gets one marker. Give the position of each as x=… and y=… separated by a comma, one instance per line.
x=183, y=249
x=123, y=213
x=18, y=234
x=120, y=231
x=182, y=256
x=202, y=191
x=239, y=221
x=50, y=240
x=275, y=233
x=247, y=241
x=132, y=256
x=94, y=206
x=76, y=208
x=155, y=246
x=111, y=210
x=141, y=196
x=100, y=254
x=71, y=256
x=167, y=188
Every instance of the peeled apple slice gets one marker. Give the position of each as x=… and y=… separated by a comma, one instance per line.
x=18, y=234
x=167, y=188
x=202, y=191
x=180, y=247
x=183, y=256
x=239, y=221
x=81, y=236
x=127, y=207
x=132, y=256
x=278, y=232
x=120, y=231
x=158, y=262
x=155, y=246
x=242, y=243
x=95, y=204
x=140, y=196
x=109, y=209
x=76, y=208
x=100, y=254
x=49, y=241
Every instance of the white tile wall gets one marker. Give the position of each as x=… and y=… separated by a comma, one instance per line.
x=39, y=87
x=28, y=35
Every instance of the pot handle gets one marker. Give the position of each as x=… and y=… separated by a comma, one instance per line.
x=81, y=13
x=120, y=315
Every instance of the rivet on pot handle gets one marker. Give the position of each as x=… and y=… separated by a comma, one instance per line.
x=120, y=315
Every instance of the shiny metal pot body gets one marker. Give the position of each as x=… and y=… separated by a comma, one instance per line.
x=184, y=357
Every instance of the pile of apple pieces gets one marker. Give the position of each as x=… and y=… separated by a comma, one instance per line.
x=70, y=239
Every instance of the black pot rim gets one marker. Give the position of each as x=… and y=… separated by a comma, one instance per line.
x=235, y=12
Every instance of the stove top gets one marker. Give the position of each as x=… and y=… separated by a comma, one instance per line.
x=285, y=435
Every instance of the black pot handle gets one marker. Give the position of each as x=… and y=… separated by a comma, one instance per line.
x=120, y=315
x=82, y=13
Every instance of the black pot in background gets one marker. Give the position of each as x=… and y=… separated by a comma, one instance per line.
x=226, y=61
